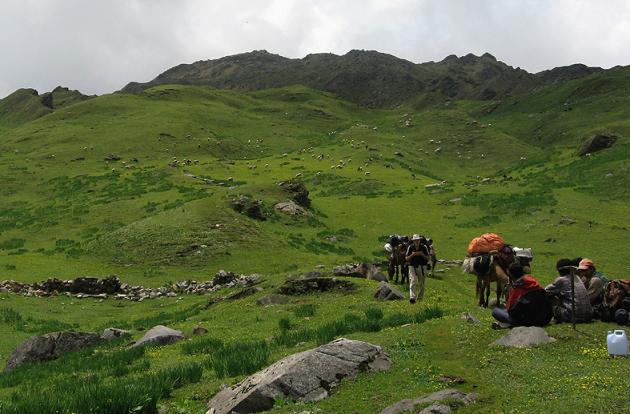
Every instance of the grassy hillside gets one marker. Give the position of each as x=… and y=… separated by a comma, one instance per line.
x=104, y=187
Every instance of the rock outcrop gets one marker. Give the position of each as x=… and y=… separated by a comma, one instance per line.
x=50, y=346
x=438, y=402
x=251, y=208
x=297, y=191
x=307, y=376
x=294, y=287
x=290, y=208
x=596, y=143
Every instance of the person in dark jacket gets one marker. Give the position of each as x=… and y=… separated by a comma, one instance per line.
x=527, y=303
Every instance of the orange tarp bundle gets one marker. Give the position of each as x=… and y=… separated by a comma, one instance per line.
x=486, y=243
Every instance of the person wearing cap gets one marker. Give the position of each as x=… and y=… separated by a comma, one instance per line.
x=593, y=280
x=560, y=293
x=417, y=256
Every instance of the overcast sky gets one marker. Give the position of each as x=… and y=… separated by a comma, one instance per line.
x=97, y=46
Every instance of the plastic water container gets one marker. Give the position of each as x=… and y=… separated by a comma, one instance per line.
x=617, y=342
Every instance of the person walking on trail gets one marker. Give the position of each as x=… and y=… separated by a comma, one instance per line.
x=560, y=293
x=527, y=303
x=417, y=256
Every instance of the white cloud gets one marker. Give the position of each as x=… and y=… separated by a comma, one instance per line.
x=99, y=46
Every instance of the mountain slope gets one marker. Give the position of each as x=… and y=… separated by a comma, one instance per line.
x=25, y=105
x=368, y=78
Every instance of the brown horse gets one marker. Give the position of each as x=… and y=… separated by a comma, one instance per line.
x=397, y=264
x=497, y=273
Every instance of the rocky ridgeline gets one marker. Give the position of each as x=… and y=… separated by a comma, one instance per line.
x=111, y=286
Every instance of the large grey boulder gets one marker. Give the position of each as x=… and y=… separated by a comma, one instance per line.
x=385, y=291
x=440, y=402
x=524, y=337
x=50, y=346
x=307, y=376
x=160, y=335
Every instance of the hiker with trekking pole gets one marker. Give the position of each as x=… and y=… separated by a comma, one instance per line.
x=569, y=296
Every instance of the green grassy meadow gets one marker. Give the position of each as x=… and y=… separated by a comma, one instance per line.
x=66, y=212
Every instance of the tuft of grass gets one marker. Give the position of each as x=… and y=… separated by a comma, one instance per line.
x=203, y=345
x=240, y=358
x=284, y=324
x=304, y=311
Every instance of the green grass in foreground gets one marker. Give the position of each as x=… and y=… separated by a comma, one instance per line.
x=65, y=212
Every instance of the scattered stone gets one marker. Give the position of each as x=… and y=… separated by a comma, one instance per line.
x=596, y=143
x=307, y=376
x=50, y=346
x=223, y=278
x=112, y=157
x=297, y=287
x=199, y=330
x=452, y=380
x=385, y=291
x=99, y=289
x=362, y=270
x=273, y=299
x=160, y=335
x=442, y=402
x=291, y=208
x=567, y=220
x=114, y=333
x=349, y=270
x=524, y=337
x=469, y=318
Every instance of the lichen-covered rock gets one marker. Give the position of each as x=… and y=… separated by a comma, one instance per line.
x=307, y=376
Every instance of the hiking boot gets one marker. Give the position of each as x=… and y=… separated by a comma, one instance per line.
x=412, y=300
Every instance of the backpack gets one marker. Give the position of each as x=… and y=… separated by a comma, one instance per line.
x=601, y=277
x=616, y=296
x=532, y=309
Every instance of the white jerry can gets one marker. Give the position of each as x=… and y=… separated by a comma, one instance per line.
x=617, y=342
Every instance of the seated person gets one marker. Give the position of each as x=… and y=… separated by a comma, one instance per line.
x=527, y=303
x=594, y=281
x=560, y=293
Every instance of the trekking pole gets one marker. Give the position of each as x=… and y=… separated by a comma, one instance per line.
x=573, y=296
